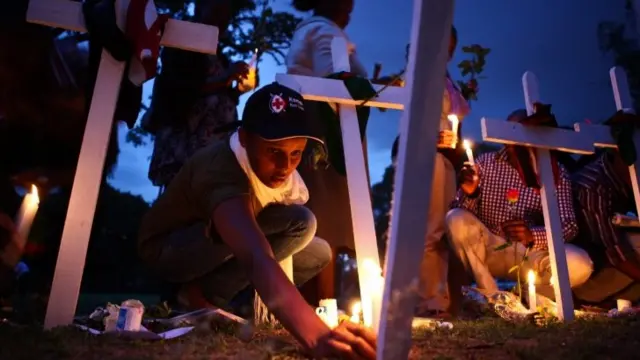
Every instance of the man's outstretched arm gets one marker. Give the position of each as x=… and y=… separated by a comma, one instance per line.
x=235, y=222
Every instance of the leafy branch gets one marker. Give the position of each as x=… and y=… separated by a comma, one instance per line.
x=470, y=69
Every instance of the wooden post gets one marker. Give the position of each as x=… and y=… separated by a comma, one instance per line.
x=419, y=125
x=543, y=139
x=67, y=14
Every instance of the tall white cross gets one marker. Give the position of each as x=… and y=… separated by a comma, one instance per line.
x=420, y=122
x=601, y=134
x=67, y=14
x=334, y=91
x=543, y=140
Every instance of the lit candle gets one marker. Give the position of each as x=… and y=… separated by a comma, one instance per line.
x=467, y=148
x=26, y=214
x=532, y=290
x=372, y=301
x=330, y=310
x=453, y=118
x=356, y=309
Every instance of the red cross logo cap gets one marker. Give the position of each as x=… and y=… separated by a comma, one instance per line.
x=276, y=112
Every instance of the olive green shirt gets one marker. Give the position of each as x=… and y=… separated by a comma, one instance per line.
x=207, y=179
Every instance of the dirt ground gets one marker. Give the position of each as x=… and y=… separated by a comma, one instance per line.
x=480, y=339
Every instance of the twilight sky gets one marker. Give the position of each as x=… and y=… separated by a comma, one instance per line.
x=554, y=39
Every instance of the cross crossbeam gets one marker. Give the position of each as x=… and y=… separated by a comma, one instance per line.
x=67, y=14
x=332, y=91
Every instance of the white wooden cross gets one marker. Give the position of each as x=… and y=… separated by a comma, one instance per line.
x=420, y=122
x=543, y=139
x=601, y=134
x=334, y=91
x=67, y=14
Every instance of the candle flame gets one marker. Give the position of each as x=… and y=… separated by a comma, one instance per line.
x=34, y=192
x=531, y=277
x=466, y=144
x=452, y=117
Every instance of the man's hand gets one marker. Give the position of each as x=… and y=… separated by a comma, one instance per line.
x=347, y=341
x=517, y=231
x=469, y=179
x=446, y=139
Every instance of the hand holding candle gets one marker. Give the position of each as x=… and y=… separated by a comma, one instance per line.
x=531, y=278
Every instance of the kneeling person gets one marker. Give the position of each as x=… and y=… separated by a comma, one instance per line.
x=499, y=202
x=236, y=208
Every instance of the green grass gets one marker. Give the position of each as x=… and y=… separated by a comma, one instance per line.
x=483, y=339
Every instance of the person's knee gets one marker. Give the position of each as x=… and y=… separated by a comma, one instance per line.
x=321, y=251
x=460, y=224
x=303, y=223
x=579, y=264
x=297, y=229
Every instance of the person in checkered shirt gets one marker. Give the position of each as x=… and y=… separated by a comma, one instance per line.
x=483, y=218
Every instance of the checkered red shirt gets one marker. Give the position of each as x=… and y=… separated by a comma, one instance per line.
x=497, y=176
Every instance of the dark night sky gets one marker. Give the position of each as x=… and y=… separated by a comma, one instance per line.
x=554, y=39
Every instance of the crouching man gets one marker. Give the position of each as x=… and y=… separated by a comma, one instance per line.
x=235, y=209
x=497, y=216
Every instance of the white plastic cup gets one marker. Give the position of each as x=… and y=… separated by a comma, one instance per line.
x=330, y=311
x=623, y=304
x=130, y=316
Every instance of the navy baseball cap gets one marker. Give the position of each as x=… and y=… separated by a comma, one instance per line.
x=276, y=112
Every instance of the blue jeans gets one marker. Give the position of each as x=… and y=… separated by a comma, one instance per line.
x=196, y=253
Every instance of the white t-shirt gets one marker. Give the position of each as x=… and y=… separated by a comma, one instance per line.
x=310, y=51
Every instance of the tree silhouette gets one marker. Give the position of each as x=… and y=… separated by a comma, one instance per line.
x=620, y=39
